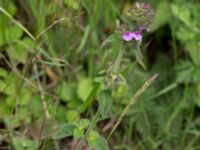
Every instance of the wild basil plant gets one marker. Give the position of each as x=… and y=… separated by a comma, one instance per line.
x=130, y=33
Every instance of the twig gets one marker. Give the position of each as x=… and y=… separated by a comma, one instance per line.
x=44, y=104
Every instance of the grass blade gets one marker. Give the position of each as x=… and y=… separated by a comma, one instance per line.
x=17, y=23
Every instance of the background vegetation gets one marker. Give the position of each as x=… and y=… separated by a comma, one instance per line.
x=51, y=54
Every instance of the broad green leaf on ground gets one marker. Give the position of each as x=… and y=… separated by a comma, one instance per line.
x=28, y=44
x=61, y=114
x=84, y=88
x=65, y=91
x=71, y=115
x=19, y=50
x=78, y=133
x=16, y=52
x=22, y=98
x=25, y=96
x=10, y=101
x=92, y=139
x=5, y=110
x=64, y=130
x=22, y=114
x=84, y=123
x=96, y=141
x=9, y=34
x=101, y=144
x=90, y=98
x=24, y=144
x=3, y=73
x=13, y=33
x=9, y=85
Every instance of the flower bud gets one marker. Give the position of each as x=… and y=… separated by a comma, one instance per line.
x=142, y=14
x=112, y=81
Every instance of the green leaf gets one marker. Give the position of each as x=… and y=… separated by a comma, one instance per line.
x=101, y=144
x=13, y=33
x=120, y=91
x=25, y=96
x=71, y=3
x=27, y=44
x=187, y=72
x=64, y=130
x=66, y=92
x=96, y=141
x=92, y=139
x=71, y=114
x=10, y=101
x=89, y=99
x=20, y=49
x=61, y=114
x=3, y=73
x=105, y=102
x=24, y=144
x=18, y=52
x=16, y=22
x=161, y=16
x=78, y=133
x=84, y=123
x=184, y=35
x=182, y=13
x=5, y=110
x=84, y=88
x=12, y=9
x=22, y=115
x=9, y=85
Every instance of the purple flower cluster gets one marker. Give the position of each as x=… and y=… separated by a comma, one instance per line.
x=142, y=14
x=112, y=80
x=128, y=36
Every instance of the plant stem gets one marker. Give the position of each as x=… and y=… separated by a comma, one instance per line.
x=139, y=55
x=118, y=60
x=94, y=121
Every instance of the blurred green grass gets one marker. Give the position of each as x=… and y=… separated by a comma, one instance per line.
x=44, y=80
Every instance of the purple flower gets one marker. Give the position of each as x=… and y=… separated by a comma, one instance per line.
x=137, y=35
x=145, y=5
x=128, y=36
